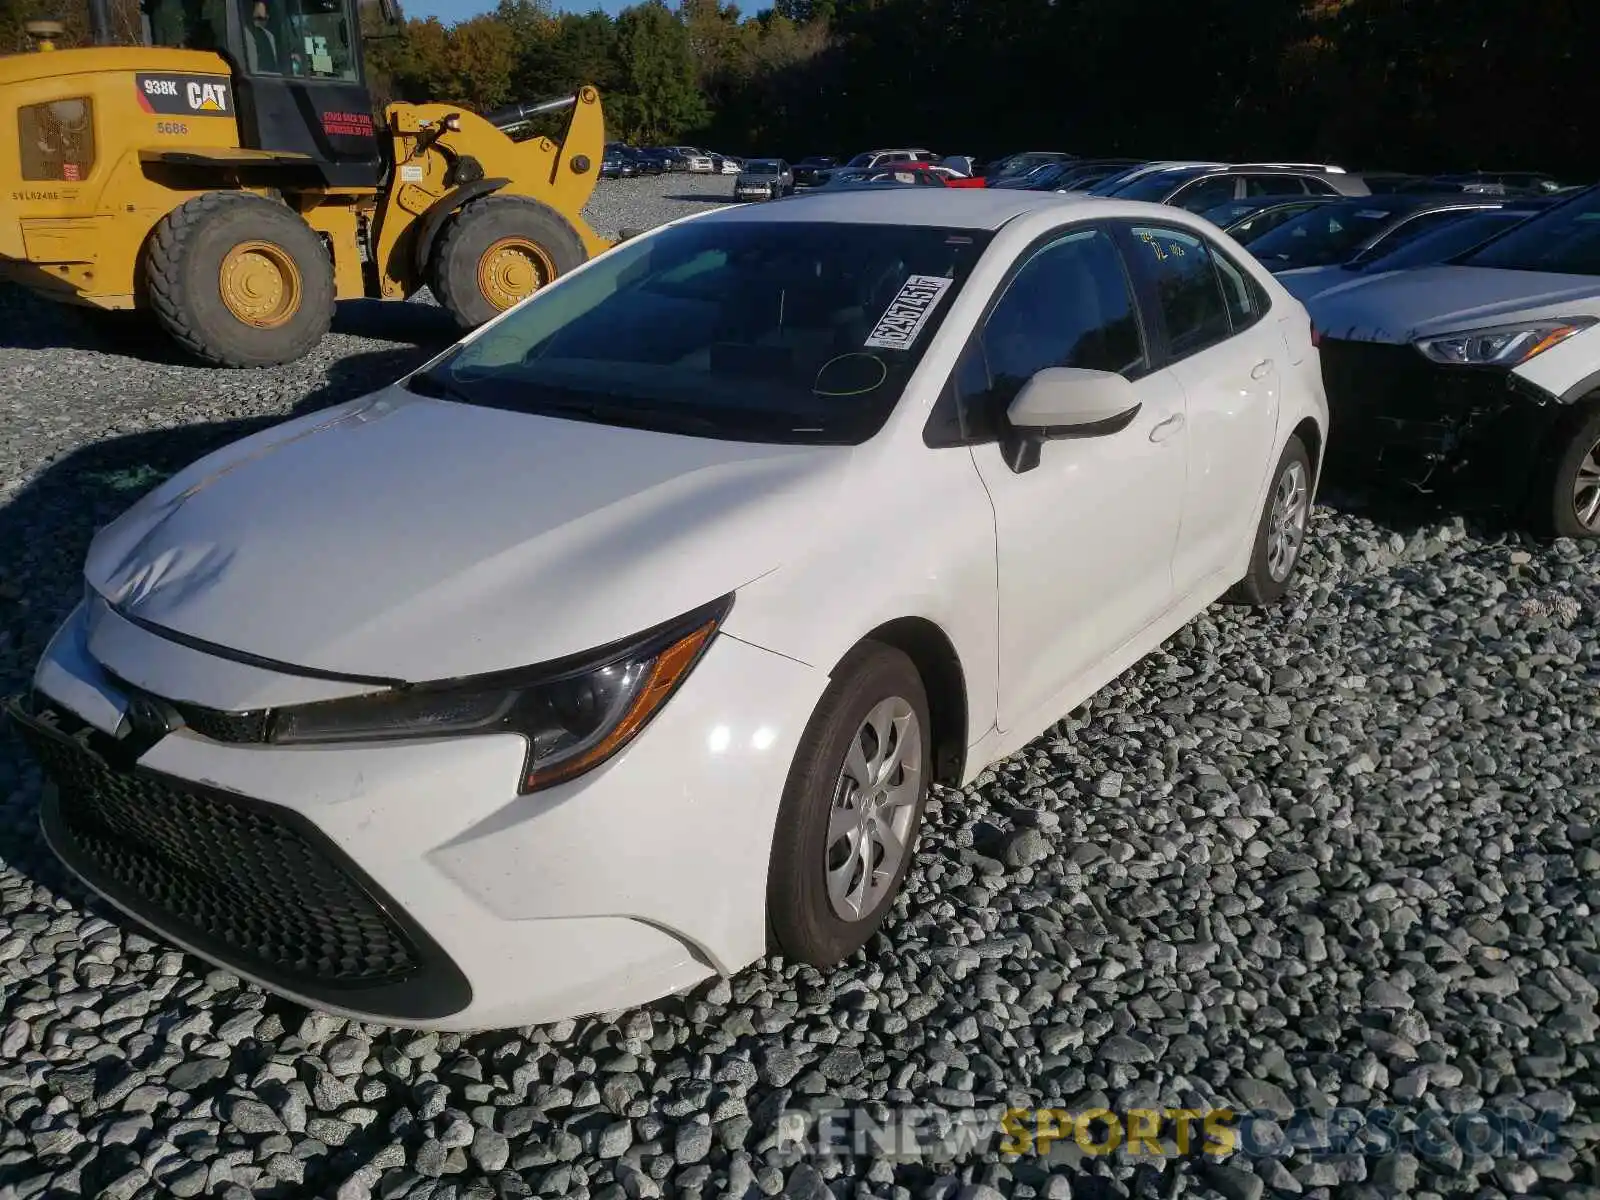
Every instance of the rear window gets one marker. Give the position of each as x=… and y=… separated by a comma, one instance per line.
x=783, y=331
x=1563, y=240
x=1321, y=236
x=1437, y=245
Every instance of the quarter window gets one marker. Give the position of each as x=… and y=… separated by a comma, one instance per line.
x=1187, y=288
x=1245, y=298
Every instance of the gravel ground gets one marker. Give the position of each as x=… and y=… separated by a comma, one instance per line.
x=1344, y=856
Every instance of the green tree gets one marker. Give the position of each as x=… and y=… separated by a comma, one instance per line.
x=659, y=95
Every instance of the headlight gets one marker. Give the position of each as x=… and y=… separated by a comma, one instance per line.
x=575, y=714
x=1502, y=346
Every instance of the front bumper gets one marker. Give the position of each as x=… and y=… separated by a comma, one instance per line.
x=408, y=883
x=1396, y=417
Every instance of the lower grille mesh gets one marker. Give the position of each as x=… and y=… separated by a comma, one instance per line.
x=248, y=877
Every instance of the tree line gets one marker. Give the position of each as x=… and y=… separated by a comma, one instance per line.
x=1401, y=84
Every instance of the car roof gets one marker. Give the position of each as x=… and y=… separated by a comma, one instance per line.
x=952, y=208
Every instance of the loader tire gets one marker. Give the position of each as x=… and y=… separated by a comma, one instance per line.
x=239, y=281
x=498, y=251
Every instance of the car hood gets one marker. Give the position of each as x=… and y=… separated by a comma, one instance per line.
x=402, y=537
x=1401, y=306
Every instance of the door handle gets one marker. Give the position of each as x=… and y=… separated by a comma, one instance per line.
x=1167, y=428
x=1262, y=369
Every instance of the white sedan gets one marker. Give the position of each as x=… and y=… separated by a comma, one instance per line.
x=621, y=644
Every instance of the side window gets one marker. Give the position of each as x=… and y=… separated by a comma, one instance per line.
x=1187, y=288
x=1070, y=305
x=1274, y=185
x=1246, y=300
x=1419, y=225
x=1321, y=187
x=1205, y=193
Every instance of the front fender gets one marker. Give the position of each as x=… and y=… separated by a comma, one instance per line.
x=1565, y=373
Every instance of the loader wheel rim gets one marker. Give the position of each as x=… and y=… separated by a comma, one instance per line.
x=260, y=284
x=513, y=269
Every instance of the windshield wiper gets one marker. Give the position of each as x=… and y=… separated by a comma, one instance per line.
x=664, y=420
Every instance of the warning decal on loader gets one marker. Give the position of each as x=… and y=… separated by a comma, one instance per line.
x=185, y=95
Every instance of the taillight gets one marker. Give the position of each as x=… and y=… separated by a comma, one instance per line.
x=1316, y=336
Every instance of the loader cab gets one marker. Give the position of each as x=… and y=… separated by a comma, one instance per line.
x=298, y=77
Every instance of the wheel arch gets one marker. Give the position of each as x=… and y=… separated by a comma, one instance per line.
x=934, y=655
x=1310, y=435
x=432, y=222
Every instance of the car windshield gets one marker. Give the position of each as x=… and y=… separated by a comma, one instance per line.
x=860, y=160
x=1456, y=237
x=761, y=168
x=775, y=331
x=1563, y=240
x=1155, y=186
x=1322, y=236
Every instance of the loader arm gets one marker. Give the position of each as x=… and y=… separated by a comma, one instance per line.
x=444, y=157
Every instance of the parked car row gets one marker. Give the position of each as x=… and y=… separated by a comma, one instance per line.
x=622, y=161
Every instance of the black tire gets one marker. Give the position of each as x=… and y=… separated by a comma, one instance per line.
x=1260, y=588
x=804, y=924
x=182, y=270
x=468, y=236
x=1561, y=498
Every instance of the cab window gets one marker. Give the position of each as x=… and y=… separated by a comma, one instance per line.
x=303, y=38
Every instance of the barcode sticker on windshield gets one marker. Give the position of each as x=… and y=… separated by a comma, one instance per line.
x=908, y=312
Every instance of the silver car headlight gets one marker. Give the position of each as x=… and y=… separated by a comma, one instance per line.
x=1501, y=345
x=574, y=713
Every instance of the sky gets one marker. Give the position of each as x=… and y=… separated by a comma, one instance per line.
x=450, y=11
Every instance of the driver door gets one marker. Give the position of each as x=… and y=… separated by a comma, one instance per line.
x=1085, y=538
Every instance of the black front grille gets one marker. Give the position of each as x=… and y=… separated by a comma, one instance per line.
x=1395, y=413
x=248, y=883
x=234, y=728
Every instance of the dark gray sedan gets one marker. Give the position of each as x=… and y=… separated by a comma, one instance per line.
x=764, y=179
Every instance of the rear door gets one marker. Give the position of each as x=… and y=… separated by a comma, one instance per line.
x=1226, y=356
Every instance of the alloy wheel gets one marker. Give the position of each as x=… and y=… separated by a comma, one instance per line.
x=1586, y=490
x=1286, y=528
x=874, y=805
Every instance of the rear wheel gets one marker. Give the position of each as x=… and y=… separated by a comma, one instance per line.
x=498, y=251
x=239, y=280
x=1281, y=531
x=851, y=809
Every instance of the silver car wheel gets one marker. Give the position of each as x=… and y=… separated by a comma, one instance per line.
x=874, y=804
x=1586, y=490
x=1286, y=528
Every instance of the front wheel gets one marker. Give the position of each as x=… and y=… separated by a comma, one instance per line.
x=1281, y=531
x=498, y=251
x=848, y=821
x=1575, y=487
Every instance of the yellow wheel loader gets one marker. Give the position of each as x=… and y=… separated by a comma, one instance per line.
x=228, y=176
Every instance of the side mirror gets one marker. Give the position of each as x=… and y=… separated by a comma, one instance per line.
x=1065, y=402
x=1069, y=402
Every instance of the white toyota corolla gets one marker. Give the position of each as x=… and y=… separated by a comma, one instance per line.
x=621, y=643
